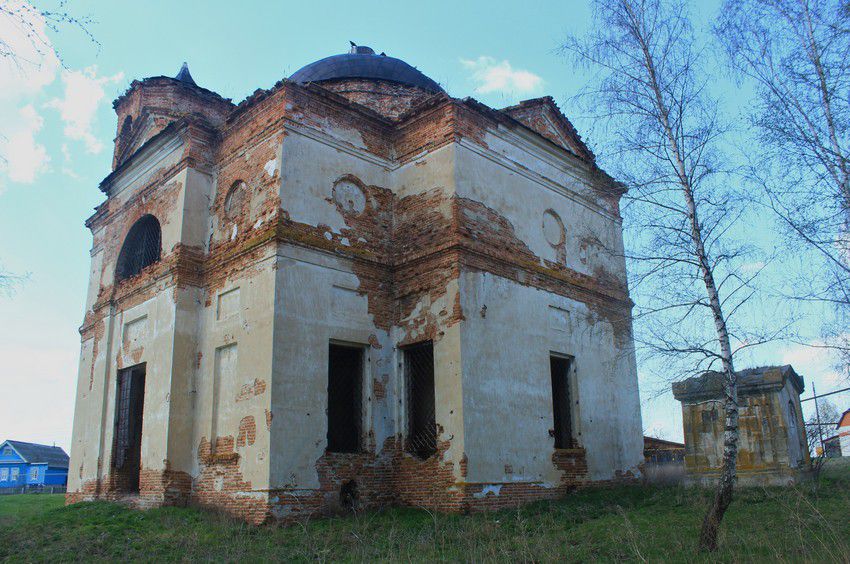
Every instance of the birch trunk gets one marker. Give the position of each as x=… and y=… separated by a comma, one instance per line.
x=725, y=486
x=723, y=495
x=843, y=174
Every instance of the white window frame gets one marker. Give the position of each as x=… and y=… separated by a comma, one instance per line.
x=14, y=472
x=4, y=474
x=33, y=473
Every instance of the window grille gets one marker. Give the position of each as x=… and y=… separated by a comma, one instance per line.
x=141, y=248
x=128, y=424
x=421, y=410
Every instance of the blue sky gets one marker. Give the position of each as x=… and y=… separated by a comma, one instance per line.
x=57, y=127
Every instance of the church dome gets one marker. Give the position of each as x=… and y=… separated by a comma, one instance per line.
x=362, y=63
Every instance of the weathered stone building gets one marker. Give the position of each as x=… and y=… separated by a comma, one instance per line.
x=351, y=288
x=772, y=446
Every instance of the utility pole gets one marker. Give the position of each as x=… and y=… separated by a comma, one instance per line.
x=817, y=415
x=820, y=425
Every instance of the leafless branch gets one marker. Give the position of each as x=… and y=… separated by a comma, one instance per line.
x=27, y=18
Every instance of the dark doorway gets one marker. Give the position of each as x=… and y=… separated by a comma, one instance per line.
x=560, y=369
x=348, y=496
x=421, y=405
x=127, y=452
x=345, y=390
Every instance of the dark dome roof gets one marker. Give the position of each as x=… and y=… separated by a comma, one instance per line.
x=362, y=62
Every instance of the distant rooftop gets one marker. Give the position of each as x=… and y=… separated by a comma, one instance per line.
x=34, y=453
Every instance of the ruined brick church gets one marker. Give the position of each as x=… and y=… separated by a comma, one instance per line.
x=351, y=289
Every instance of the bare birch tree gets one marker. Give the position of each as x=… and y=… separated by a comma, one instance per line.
x=797, y=53
x=25, y=17
x=664, y=132
x=29, y=48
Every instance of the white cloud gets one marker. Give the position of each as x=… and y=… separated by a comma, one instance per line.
x=816, y=362
x=24, y=79
x=67, y=162
x=805, y=355
x=84, y=91
x=25, y=158
x=752, y=267
x=34, y=66
x=491, y=76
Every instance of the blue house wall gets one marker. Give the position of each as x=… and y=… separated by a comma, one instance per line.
x=55, y=477
x=16, y=472
x=13, y=470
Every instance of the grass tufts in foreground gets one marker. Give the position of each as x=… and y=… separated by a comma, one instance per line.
x=810, y=522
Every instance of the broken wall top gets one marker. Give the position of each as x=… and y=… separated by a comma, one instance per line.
x=751, y=381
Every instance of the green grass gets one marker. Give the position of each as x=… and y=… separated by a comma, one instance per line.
x=810, y=522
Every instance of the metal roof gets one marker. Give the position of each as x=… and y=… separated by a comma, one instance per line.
x=841, y=419
x=185, y=76
x=362, y=62
x=33, y=453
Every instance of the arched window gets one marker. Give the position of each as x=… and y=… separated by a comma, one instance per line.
x=234, y=198
x=141, y=248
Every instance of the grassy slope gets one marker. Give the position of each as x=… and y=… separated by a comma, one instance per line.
x=803, y=523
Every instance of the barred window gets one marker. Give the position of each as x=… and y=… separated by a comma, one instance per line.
x=141, y=248
x=421, y=404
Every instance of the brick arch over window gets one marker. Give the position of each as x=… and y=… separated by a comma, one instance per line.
x=141, y=248
x=234, y=199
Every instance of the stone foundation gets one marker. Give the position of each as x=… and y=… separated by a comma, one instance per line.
x=394, y=478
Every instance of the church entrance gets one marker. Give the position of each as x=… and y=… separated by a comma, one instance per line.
x=127, y=450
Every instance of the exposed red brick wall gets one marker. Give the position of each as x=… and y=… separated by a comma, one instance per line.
x=155, y=102
x=156, y=488
x=389, y=99
x=255, y=388
x=247, y=431
x=220, y=484
x=399, y=478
